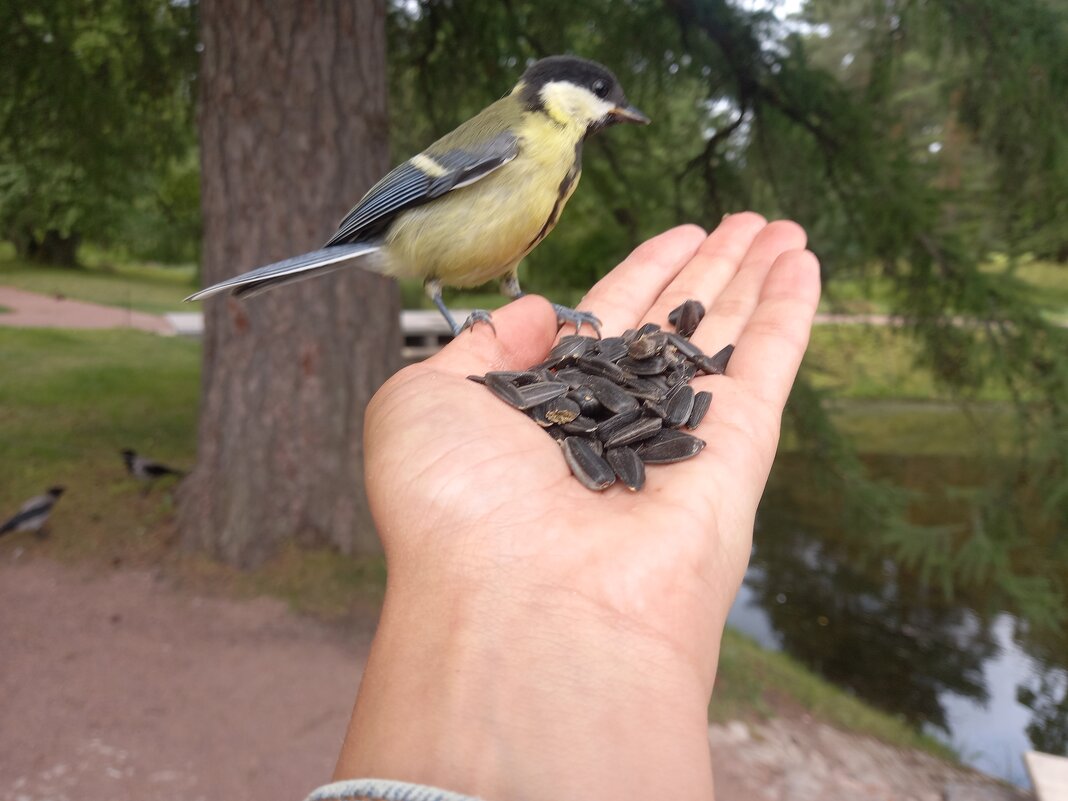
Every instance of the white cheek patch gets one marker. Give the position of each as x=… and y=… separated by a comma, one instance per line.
x=568, y=103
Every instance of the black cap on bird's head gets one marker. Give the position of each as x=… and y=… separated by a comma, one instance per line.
x=583, y=90
x=56, y=491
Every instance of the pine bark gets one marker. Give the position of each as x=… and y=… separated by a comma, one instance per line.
x=293, y=130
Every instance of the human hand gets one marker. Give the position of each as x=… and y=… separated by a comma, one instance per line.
x=580, y=630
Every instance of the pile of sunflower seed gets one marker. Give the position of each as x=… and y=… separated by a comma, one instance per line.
x=618, y=404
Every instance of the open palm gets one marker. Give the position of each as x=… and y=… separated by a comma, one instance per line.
x=468, y=490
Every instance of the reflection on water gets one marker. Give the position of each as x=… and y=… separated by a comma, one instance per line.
x=964, y=668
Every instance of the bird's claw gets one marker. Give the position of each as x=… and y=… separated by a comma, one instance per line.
x=477, y=316
x=566, y=316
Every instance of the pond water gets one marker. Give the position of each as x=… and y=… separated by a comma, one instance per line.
x=957, y=663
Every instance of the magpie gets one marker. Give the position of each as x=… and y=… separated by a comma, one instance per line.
x=33, y=514
x=144, y=469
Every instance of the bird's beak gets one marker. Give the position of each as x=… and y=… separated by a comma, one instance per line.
x=629, y=114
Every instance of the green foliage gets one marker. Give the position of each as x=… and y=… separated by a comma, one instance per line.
x=95, y=119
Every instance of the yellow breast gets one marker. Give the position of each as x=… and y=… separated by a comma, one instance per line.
x=480, y=232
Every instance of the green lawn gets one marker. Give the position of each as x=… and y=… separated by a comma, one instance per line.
x=139, y=287
x=866, y=291
x=69, y=401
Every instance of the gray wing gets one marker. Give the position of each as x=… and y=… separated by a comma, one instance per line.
x=408, y=185
x=33, y=512
x=37, y=503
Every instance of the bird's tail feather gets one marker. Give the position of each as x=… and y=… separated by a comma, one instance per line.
x=318, y=262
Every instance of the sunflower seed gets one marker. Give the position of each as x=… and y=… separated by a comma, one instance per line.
x=701, y=401
x=595, y=365
x=669, y=446
x=647, y=388
x=528, y=377
x=572, y=376
x=715, y=365
x=681, y=374
x=687, y=317
x=638, y=431
x=685, y=346
x=557, y=410
x=608, y=428
x=626, y=464
x=612, y=348
x=505, y=390
x=506, y=375
x=656, y=408
x=647, y=329
x=654, y=365
x=570, y=348
x=679, y=405
x=533, y=394
x=647, y=345
x=590, y=469
x=586, y=400
x=557, y=433
x=581, y=425
x=612, y=397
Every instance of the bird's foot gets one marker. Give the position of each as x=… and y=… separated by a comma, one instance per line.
x=566, y=316
x=477, y=316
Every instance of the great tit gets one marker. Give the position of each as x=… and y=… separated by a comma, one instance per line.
x=469, y=208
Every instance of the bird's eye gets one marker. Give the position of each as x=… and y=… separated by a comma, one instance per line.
x=600, y=87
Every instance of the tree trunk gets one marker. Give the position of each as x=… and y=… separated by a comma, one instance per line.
x=293, y=130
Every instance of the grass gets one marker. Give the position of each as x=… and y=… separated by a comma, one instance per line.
x=69, y=401
x=868, y=292
x=140, y=287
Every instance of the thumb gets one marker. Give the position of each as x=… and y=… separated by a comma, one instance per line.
x=525, y=330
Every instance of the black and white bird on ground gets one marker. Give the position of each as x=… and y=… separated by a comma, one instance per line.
x=144, y=469
x=33, y=514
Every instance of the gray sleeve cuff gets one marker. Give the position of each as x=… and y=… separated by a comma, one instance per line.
x=383, y=790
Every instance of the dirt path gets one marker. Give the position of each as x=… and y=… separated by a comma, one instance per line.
x=116, y=686
x=34, y=310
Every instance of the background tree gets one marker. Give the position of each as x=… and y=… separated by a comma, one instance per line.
x=95, y=113
x=293, y=129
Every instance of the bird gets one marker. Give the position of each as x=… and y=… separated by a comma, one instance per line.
x=146, y=469
x=33, y=514
x=472, y=205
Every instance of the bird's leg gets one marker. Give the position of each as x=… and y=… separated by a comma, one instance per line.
x=564, y=315
x=433, y=291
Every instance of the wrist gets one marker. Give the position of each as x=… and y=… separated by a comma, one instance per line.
x=509, y=693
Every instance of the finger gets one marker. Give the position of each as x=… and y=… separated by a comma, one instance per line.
x=623, y=297
x=731, y=309
x=712, y=266
x=522, y=333
x=770, y=348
